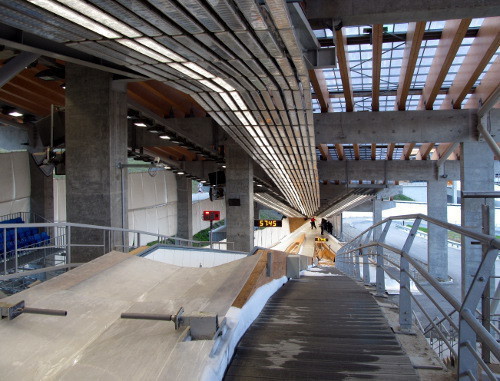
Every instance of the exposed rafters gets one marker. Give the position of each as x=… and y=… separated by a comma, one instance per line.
x=390, y=150
x=355, y=147
x=343, y=63
x=377, y=33
x=424, y=151
x=487, y=87
x=412, y=47
x=480, y=53
x=318, y=83
x=340, y=151
x=453, y=34
x=323, y=149
x=374, y=151
x=407, y=151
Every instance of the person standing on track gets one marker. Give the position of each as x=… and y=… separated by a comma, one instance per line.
x=313, y=223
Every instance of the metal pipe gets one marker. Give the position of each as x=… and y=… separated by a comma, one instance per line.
x=489, y=139
x=485, y=367
x=480, y=194
x=142, y=316
x=481, y=332
x=44, y=311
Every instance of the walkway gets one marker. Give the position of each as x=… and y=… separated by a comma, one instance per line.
x=320, y=328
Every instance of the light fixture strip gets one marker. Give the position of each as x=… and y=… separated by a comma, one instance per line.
x=241, y=104
x=198, y=69
x=143, y=50
x=211, y=86
x=222, y=83
x=229, y=101
x=184, y=70
x=75, y=17
x=96, y=14
x=150, y=43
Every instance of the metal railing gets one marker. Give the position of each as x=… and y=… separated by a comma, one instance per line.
x=461, y=331
x=100, y=239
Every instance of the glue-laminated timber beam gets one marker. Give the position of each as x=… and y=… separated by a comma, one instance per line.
x=487, y=87
x=383, y=170
x=400, y=126
x=408, y=148
x=445, y=151
x=424, y=151
x=377, y=32
x=340, y=151
x=318, y=82
x=374, y=151
x=453, y=34
x=410, y=55
x=355, y=147
x=323, y=149
x=344, y=68
x=354, y=13
x=480, y=52
x=390, y=150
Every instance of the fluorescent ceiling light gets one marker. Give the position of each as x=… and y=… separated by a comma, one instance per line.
x=96, y=14
x=241, y=104
x=242, y=119
x=140, y=124
x=180, y=173
x=143, y=50
x=75, y=17
x=15, y=114
x=198, y=69
x=210, y=85
x=184, y=70
x=160, y=49
x=251, y=131
x=250, y=118
x=228, y=100
x=223, y=84
x=165, y=137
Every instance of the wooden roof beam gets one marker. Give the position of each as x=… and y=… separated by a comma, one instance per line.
x=407, y=151
x=482, y=49
x=340, y=151
x=410, y=55
x=355, y=147
x=424, y=151
x=323, y=149
x=318, y=82
x=345, y=70
x=377, y=33
x=453, y=34
x=374, y=151
x=487, y=87
x=390, y=150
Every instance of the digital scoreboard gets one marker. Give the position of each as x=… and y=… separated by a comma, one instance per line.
x=267, y=223
x=211, y=215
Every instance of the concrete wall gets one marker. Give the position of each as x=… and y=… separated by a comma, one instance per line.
x=417, y=191
x=15, y=182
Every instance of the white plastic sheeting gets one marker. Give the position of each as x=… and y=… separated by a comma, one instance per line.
x=193, y=258
x=270, y=237
x=15, y=184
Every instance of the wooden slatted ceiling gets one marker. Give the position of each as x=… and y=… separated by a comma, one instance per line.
x=345, y=71
x=451, y=39
x=482, y=49
x=377, y=32
x=413, y=42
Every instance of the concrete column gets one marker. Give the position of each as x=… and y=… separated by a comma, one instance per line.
x=437, y=241
x=377, y=216
x=477, y=175
x=256, y=210
x=42, y=193
x=239, y=197
x=96, y=141
x=184, y=208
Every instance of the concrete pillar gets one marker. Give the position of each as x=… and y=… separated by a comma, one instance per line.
x=96, y=141
x=437, y=241
x=256, y=210
x=377, y=217
x=42, y=193
x=184, y=208
x=477, y=175
x=239, y=197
